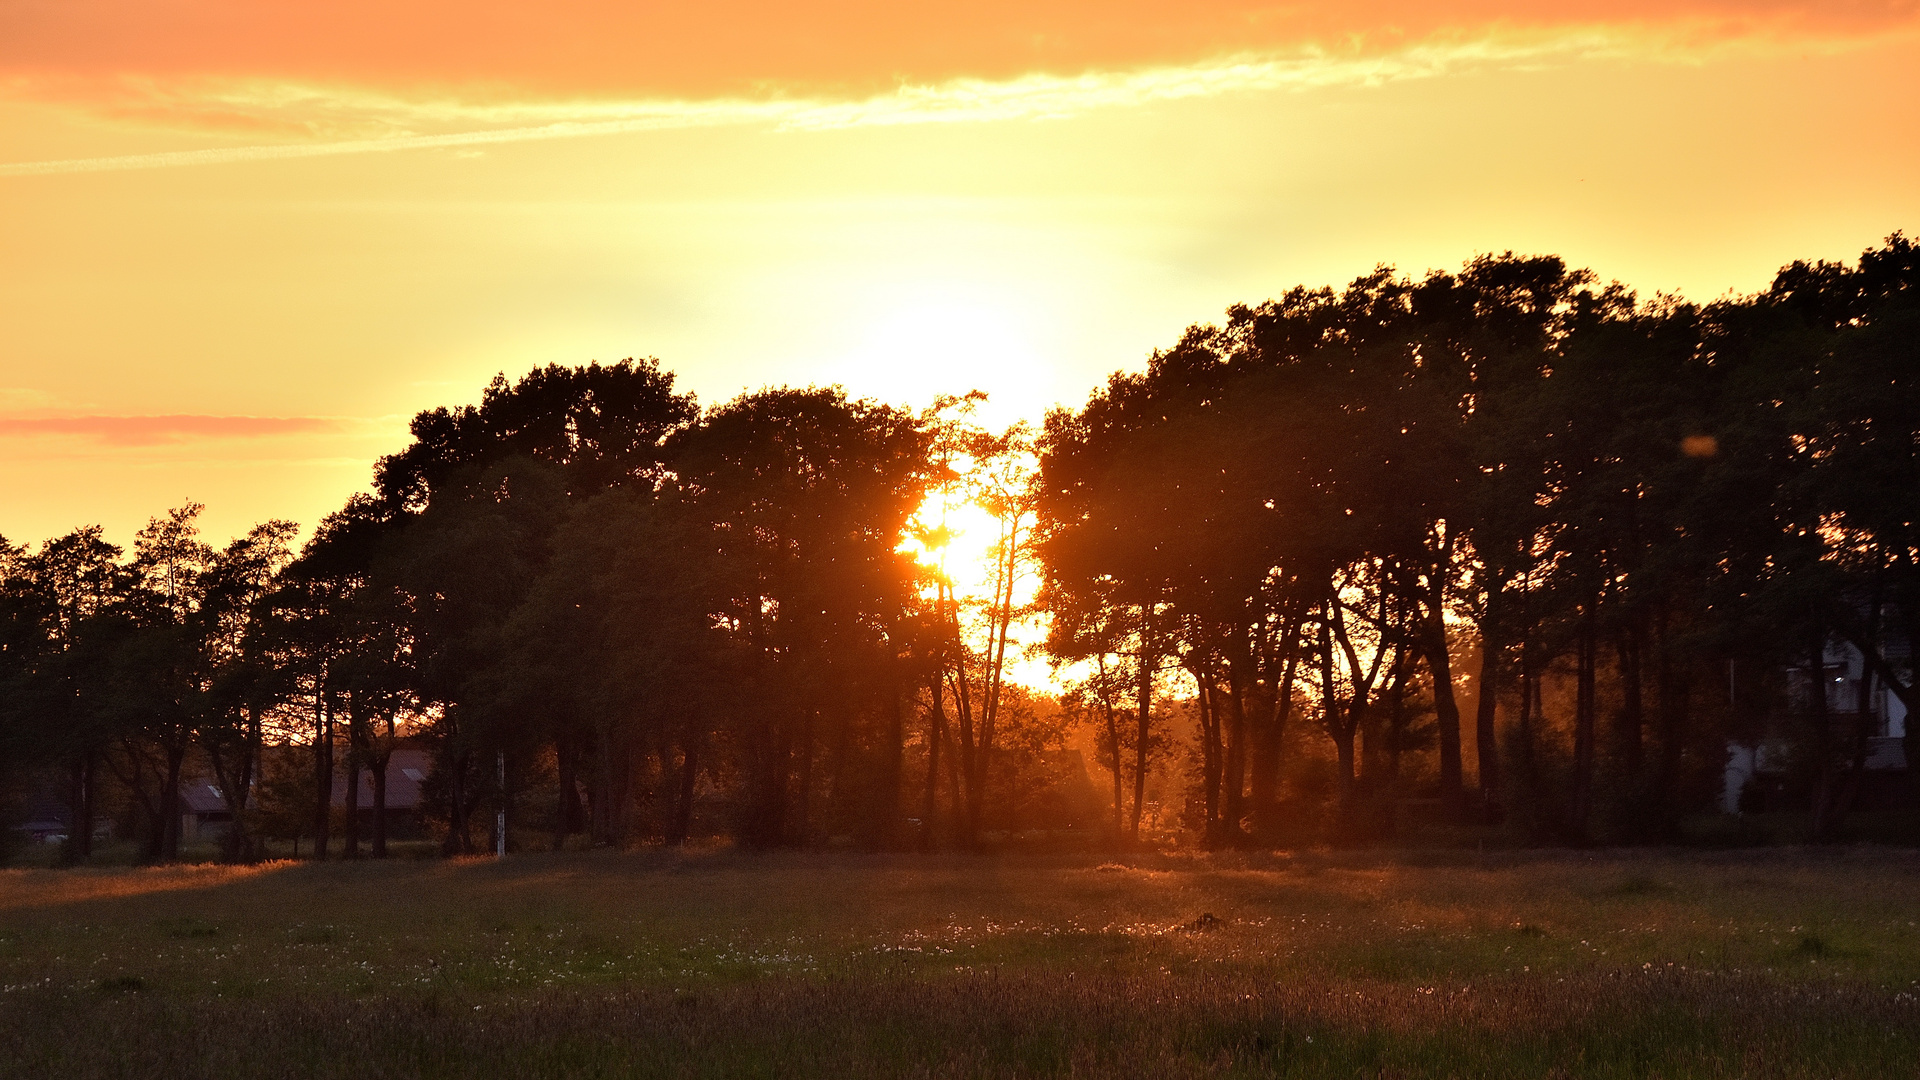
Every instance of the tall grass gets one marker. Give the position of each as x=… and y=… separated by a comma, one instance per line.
x=1752, y=964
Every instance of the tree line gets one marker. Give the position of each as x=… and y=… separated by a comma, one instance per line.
x=1496, y=547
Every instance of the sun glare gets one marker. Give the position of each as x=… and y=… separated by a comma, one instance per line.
x=958, y=540
x=955, y=538
x=923, y=339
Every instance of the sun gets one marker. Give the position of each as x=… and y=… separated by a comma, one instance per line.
x=954, y=537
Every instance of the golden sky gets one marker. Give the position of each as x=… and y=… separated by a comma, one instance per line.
x=240, y=243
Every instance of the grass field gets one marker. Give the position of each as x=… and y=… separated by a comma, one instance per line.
x=1774, y=963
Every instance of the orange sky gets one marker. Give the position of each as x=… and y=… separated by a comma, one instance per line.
x=240, y=243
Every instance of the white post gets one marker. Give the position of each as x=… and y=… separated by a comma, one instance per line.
x=500, y=818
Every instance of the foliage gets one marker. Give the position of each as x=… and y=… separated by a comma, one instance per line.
x=1501, y=548
x=1304, y=512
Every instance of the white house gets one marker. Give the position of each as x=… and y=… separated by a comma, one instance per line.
x=1852, y=696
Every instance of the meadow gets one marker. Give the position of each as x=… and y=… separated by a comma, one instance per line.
x=719, y=963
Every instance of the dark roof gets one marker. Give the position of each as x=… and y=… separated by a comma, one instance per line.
x=48, y=803
x=406, y=770
x=200, y=796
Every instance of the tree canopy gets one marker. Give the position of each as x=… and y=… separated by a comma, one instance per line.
x=1504, y=547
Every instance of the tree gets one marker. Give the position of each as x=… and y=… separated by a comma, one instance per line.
x=809, y=496
x=994, y=473
x=470, y=508
x=227, y=625
x=53, y=693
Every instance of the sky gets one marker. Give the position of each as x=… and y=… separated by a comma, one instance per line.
x=242, y=243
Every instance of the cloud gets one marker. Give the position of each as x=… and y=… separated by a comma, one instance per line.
x=21, y=398
x=452, y=123
x=835, y=48
x=360, y=76
x=152, y=430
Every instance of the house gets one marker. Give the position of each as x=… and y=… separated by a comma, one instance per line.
x=1856, y=701
x=204, y=814
x=47, y=817
x=203, y=810
x=407, y=772
x=48, y=820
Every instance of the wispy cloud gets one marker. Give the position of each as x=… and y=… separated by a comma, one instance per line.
x=152, y=430
x=1032, y=97
x=15, y=399
x=355, y=96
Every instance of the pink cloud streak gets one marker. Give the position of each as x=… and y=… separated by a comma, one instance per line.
x=154, y=430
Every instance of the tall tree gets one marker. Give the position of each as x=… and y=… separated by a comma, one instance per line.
x=810, y=495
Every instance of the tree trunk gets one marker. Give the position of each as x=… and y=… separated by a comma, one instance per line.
x=608, y=795
x=967, y=758
x=575, y=809
x=1485, y=739
x=936, y=734
x=1632, y=707
x=1006, y=569
x=460, y=809
x=351, y=840
x=1397, y=719
x=1823, y=792
x=770, y=790
x=1263, y=773
x=977, y=788
x=683, y=806
x=564, y=814
x=621, y=803
x=1674, y=684
x=1234, y=780
x=1526, y=776
x=1446, y=708
x=1263, y=765
x=1343, y=755
x=322, y=776
x=803, y=815
x=377, y=763
x=170, y=801
x=500, y=831
x=79, y=846
x=235, y=778
x=1877, y=665
x=1370, y=741
x=1143, y=731
x=378, y=767
x=883, y=817
x=1396, y=734
x=245, y=847
x=1583, y=727
x=1210, y=753
x=840, y=802
x=134, y=778
x=599, y=788
x=1856, y=766
x=1113, y=748
x=1336, y=721
x=89, y=792
x=956, y=789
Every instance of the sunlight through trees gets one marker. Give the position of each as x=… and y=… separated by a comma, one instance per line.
x=1503, y=549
